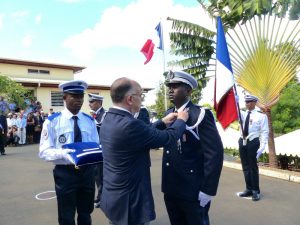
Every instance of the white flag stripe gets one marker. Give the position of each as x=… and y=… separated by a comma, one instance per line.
x=227, y=81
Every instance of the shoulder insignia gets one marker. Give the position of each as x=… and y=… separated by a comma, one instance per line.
x=50, y=118
x=87, y=115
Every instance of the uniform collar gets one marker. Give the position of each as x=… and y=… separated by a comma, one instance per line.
x=252, y=111
x=182, y=107
x=98, y=110
x=69, y=115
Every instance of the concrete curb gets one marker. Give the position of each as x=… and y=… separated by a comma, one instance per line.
x=267, y=172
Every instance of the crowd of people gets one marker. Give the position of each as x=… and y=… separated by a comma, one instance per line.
x=20, y=126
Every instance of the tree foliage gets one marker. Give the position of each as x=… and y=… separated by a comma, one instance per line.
x=234, y=11
x=286, y=113
x=159, y=106
x=194, y=44
x=12, y=91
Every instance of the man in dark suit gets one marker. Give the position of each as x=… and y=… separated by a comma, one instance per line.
x=95, y=103
x=3, y=133
x=127, y=196
x=191, y=166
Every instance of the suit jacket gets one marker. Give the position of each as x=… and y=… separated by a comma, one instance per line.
x=126, y=142
x=197, y=165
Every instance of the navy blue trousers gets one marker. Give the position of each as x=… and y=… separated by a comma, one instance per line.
x=183, y=212
x=75, y=191
x=249, y=163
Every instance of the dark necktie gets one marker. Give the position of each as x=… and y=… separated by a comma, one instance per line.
x=77, y=132
x=246, y=126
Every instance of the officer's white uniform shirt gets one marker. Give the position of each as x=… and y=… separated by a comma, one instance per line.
x=258, y=125
x=59, y=130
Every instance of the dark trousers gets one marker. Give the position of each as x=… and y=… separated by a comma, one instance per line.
x=2, y=141
x=249, y=163
x=99, y=180
x=183, y=212
x=75, y=190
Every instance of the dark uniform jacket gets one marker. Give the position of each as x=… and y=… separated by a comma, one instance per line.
x=126, y=142
x=144, y=115
x=197, y=165
x=3, y=123
x=98, y=118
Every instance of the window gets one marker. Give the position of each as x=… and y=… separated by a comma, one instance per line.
x=36, y=71
x=44, y=72
x=33, y=71
x=57, y=98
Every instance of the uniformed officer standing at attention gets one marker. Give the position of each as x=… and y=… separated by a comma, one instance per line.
x=192, y=165
x=75, y=188
x=95, y=103
x=255, y=126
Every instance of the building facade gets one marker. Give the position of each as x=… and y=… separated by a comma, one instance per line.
x=42, y=79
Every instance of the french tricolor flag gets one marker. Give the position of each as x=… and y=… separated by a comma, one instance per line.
x=224, y=98
x=148, y=48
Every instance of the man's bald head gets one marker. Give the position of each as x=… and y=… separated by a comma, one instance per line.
x=121, y=87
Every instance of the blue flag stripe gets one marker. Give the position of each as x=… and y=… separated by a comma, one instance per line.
x=222, y=50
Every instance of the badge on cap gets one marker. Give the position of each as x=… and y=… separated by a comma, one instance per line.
x=170, y=75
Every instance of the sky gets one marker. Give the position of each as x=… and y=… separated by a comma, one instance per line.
x=103, y=35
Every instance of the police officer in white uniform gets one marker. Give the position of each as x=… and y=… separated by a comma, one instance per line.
x=95, y=103
x=251, y=145
x=75, y=188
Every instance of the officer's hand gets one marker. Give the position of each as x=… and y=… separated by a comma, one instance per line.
x=204, y=199
x=65, y=154
x=184, y=115
x=260, y=151
x=170, y=118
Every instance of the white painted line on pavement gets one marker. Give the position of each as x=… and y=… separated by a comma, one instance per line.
x=40, y=197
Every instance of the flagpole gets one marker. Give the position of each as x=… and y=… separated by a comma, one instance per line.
x=238, y=108
x=164, y=64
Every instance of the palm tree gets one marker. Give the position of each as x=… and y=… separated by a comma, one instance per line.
x=196, y=45
x=262, y=63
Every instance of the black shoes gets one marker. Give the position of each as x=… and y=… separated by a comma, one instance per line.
x=245, y=193
x=2, y=153
x=255, y=196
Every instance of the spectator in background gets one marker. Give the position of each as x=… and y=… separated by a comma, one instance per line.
x=50, y=112
x=12, y=136
x=30, y=128
x=14, y=119
x=38, y=124
x=3, y=133
x=21, y=124
x=9, y=120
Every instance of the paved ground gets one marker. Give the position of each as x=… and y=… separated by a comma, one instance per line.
x=23, y=176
